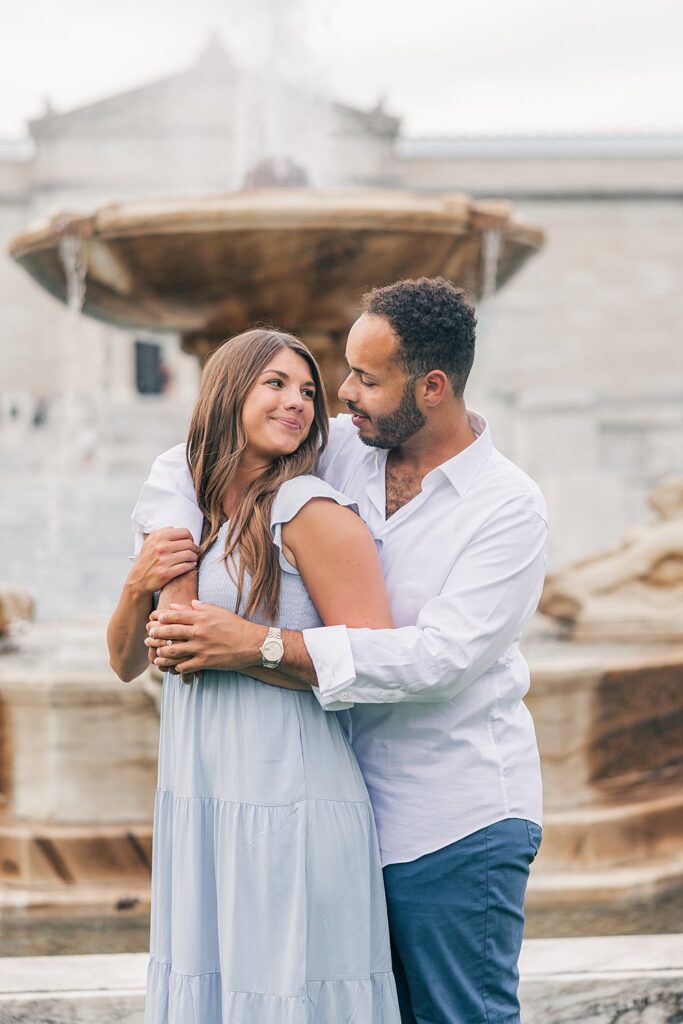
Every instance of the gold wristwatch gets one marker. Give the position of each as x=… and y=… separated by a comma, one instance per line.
x=272, y=648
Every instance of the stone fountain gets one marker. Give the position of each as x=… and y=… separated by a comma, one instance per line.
x=607, y=699
x=79, y=748
x=297, y=258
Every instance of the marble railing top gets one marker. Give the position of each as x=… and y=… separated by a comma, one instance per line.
x=602, y=954
x=125, y=972
x=93, y=973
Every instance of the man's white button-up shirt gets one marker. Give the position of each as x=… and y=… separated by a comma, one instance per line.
x=438, y=723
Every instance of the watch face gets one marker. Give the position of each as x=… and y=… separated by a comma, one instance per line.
x=272, y=650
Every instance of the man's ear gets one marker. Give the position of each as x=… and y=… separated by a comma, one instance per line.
x=435, y=386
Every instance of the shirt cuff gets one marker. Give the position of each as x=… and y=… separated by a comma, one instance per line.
x=157, y=507
x=330, y=652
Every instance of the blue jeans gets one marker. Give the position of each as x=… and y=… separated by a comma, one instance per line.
x=456, y=918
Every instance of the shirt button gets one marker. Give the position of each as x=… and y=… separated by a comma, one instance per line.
x=345, y=695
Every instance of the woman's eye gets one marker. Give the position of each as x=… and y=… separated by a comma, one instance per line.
x=308, y=393
x=368, y=384
x=275, y=381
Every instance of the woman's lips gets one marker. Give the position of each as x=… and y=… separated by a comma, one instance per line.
x=290, y=424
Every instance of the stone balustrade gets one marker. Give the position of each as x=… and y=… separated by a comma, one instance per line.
x=626, y=979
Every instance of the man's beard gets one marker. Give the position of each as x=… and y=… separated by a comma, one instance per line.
x=395, y=428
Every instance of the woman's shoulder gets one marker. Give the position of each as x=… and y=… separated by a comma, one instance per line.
x=293, y=495
x=297, y=492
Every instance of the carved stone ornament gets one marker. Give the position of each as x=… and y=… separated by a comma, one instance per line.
x=633, y=591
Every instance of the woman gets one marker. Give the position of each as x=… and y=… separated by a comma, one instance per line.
x=267, y=897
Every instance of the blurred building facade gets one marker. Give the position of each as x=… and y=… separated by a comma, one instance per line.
x=203, y=130
x=580, y=353
x=578, y=364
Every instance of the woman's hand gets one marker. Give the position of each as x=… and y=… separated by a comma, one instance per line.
x=165, y=554
x=203, y=636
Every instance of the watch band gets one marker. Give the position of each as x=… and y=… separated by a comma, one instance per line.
x=272, y=649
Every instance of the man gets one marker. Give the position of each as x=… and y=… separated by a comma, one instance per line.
x=444, y=741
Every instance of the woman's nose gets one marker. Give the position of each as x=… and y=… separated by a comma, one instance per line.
x=294, y=399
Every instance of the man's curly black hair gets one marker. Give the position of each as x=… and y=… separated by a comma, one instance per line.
x=434, y=322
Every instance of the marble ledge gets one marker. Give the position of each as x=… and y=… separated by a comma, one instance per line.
x=608, y=979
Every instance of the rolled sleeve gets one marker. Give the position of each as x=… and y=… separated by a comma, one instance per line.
x=167, y=498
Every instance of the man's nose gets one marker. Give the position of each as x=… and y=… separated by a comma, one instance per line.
x=347, y=392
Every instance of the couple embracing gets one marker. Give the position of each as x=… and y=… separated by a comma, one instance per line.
x=349, y=791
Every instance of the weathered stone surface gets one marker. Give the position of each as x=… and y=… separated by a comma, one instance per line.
x=633, y=979
x=15, y=606
x=634, y=998
x=609, y=722
x=73, y=990
x=81, y=745
x=78, y=755
x=633, y=591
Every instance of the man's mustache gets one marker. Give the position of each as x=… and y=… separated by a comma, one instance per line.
x=353, y=408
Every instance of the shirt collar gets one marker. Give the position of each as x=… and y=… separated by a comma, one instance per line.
x=463, y=467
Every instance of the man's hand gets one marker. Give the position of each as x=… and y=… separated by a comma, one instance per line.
x=203, y=636
x=165, y=555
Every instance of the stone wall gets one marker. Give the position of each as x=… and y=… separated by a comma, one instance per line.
x=577, y=363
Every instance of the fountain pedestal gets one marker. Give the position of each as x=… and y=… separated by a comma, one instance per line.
x=327, y=346
x=607, y=700
x=609, y=720
x=78, y=753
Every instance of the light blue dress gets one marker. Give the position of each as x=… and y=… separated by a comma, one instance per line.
x=267, y=896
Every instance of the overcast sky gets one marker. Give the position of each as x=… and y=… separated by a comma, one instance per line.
x=445, y=66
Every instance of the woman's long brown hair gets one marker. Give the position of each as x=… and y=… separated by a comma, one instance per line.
x=215, y=445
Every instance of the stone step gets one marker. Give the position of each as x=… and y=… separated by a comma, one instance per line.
x=614, y=883
x=614, y=836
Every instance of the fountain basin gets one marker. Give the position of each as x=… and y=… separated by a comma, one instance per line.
x=209, y=267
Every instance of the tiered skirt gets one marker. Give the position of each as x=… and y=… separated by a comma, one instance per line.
x=267, y=897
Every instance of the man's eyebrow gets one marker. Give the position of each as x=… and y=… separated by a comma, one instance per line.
x=285, y=376
x=363, y=373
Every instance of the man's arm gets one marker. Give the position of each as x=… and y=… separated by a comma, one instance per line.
x=206, y=636
x=491, y=591
x=167, y=496
x=338, y=561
